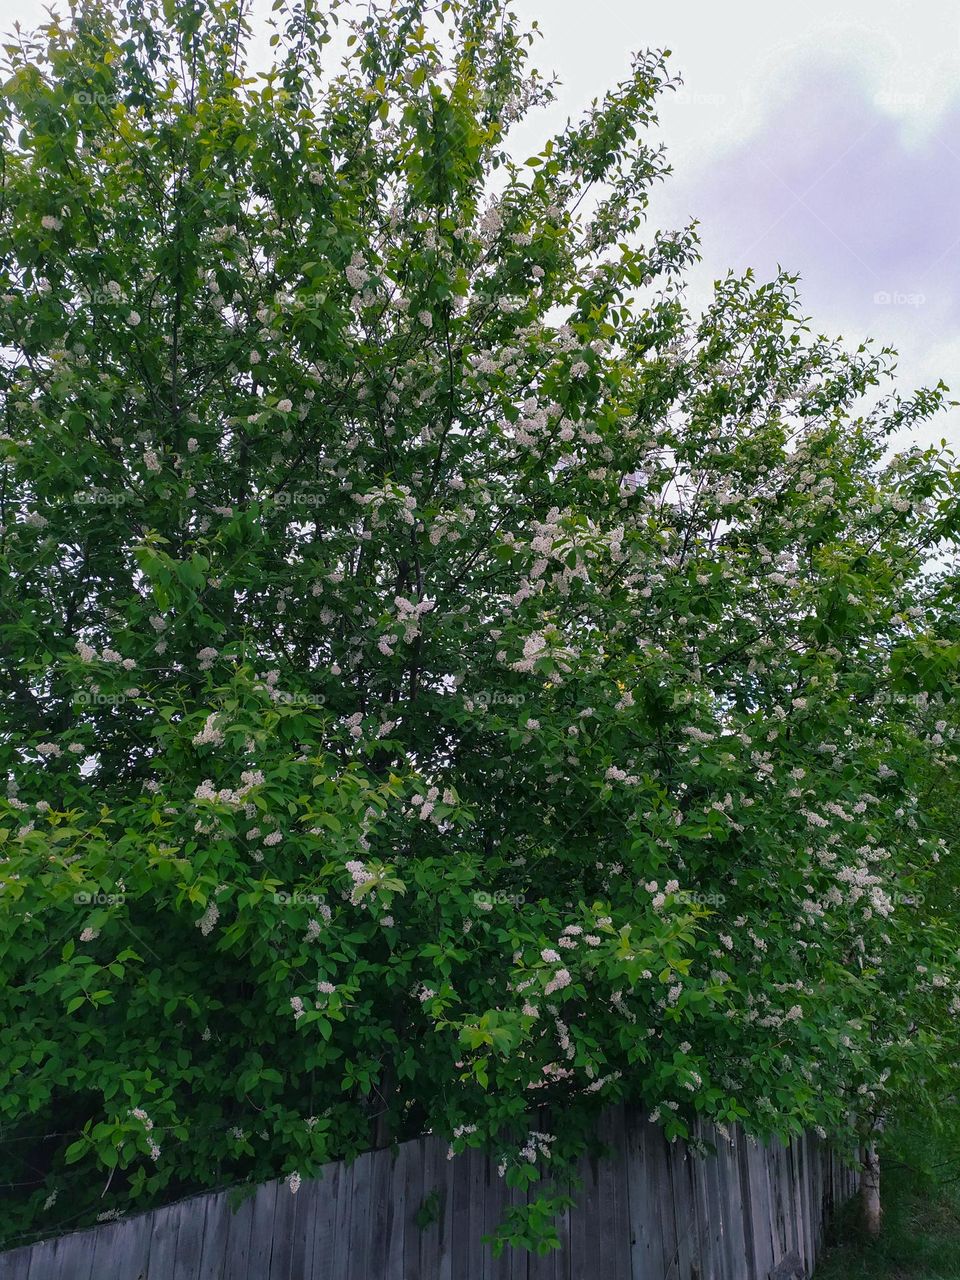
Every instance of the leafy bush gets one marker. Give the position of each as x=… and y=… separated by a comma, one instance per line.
x=446, y=682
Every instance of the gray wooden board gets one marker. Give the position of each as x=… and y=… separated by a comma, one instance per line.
x=284, y=1228
x=133, y=1243
x=751, y=1244
x=450, y=1173
x=804, y=1213
x=736, y=1247
x=685, y=1212
x=582, y=1248
x=331, y=1189
x=763, y=1210
x=381, y=1212
x=435, y=1195
x=646, y=1229
x=340, y=1256
x=413, y=1195
x=237, y=1251
x=458, y=1180
x=706, y=1245
x=300, y=1263
x=716, y=1200
x=621, y=1191
x=518, y=1259
x=79, y=1260
x=43, y=1261
x=163, y=1242
x=393, y=1264
x=358, y=1267
x=213, y=1247
x=494, y=1202
x=475, y=1163
x=261, y=1229
x=190, y=1239
x=658, y=1152
x=15, y=1263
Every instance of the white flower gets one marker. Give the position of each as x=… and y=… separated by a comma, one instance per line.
x=133, y=319
x=209, y=733
x=560, y=979
x=209, y=918
x=254, y=357
x=293, y=1182
x=50, y=223
x=285, y=406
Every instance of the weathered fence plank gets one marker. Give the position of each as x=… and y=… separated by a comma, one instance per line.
x=190, y=1239
x=413, y=1194
x=261, y=1229
x=48, y=1262
x=330, y=1208
x=648, y=1210
x=237, y=1249
x=284, y=1226
x=163, y=1241
x=215, y=1229
x=357, y=1256
x=435, y=1192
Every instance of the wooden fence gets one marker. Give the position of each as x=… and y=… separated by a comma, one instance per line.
x=648, y=1211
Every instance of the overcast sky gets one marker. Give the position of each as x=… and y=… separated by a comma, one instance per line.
x=825, y=141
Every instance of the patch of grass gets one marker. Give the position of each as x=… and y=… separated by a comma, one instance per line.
x=920, y=1240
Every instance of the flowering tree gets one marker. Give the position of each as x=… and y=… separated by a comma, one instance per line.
x=444, y=679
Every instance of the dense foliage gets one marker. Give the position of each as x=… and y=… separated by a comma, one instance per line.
x=443, y=678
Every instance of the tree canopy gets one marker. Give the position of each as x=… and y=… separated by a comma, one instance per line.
x=448, y=682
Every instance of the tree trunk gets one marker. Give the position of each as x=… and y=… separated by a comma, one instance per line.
x=870, y=1188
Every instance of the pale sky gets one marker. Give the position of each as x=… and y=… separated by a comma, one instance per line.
x=823, y=138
